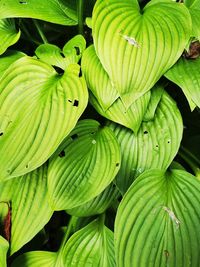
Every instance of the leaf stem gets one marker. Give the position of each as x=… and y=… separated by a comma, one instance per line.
x=42, y=36
x=80, y=16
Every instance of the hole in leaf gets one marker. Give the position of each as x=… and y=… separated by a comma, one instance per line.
x=1, y=134
x=62, y=154
x=76, y=103
x=168, y=142
x=58, y=70
x=74, y=136
x=62, y=55
x=78, y=52
x=69, y=100
x=157, y=146
x=80, y=73
x=145, y=132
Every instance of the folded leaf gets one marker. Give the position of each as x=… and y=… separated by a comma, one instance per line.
x=186, y=74
x=136, y=47
x=38, y=108
x=157, y=223
x=54, y=11
x=97, y=205
x=154, y=146
x=104, y=96
x=30, y=211
x=84, y=165
x=4, y=245
x=8, y=34
x=71, y=53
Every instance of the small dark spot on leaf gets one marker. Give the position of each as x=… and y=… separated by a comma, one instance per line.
x=69, y=100
x=1, y=134
x=78, y=52
x=166, y=252
x=156, y=145
x=145, y=132
x=8, y=171
x=27, y=166
x=92, y=132
x=117, y=164
x=168, y=142
x=23, y=2
x=76, y=103
x=62, y=154
x=74, y=136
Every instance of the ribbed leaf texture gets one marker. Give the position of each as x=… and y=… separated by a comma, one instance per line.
x=136, y=47
x=4, y=245
x=38, y=108
x=154, y=146
x=84, y=165
x=186, y=74
x=157, y=221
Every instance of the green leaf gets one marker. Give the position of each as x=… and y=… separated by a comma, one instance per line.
x=91, y=246
x=30, y=210
x=104, y=96
x=157, y=221
x=84, y=165
x=53, y=11
x=8, y=34
x=38, y=108
x=186, y=74
x=154, y=146
x=8, y=58
x=4, y=245
x=194, y=8
x=137, y=47
x=97, y=205
x=71, y=53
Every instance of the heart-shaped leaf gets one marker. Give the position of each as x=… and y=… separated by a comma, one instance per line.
x=53, y=11
x=157, y=222
x=154, y=146
x=38, y=108
x=84, y=165
x=4, y=245
x=97, y=205
x=30, y=211
x=8, y=34
x=104, y=96
x=136, y=47
x=186, y=74
x=71, y=53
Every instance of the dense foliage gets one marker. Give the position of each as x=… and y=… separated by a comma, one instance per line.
x=99, y=133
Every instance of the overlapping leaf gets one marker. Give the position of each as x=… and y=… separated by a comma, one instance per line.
x=70, y=54
x=8, y=34
x=93, y=245
x=194, y=8
x=84, y=165
x=154, y=146
x=30, y=211
x=137, y=47
x=4, y=245
x=97, y=205
x=186, y=74
x=157, y=221
x=38, y=108
x=104, y=96
x=54, y=11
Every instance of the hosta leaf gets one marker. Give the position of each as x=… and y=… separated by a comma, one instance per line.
x=30, y=210
x=38, y=109
x=4, y=245
x=154, y=146
x=90, y=246
x=137, y=49
x=8, y=58
x=84, y=165
x=157, y=221
x=53, y=11
x=186, y=74
x=36, y=259
x=70, y=54
x=194, y=8
x=97, y=205
x=8, y=34
x=104, y=96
